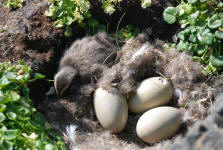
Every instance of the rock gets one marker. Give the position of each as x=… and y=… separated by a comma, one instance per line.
x=158, y=124
x=151, y=93
x=111, y=109
x=206, y=134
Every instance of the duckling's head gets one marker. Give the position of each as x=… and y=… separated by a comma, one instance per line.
x=63, y=79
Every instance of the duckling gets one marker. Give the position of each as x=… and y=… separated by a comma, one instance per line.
x=85, y=61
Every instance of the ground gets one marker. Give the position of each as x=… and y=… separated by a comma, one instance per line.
x=28, y=34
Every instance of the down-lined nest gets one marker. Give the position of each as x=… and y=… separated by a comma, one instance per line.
x=137, y=60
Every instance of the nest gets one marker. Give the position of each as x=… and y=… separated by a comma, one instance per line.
x=137, y=60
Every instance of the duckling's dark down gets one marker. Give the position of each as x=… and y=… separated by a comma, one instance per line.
x=85, y=61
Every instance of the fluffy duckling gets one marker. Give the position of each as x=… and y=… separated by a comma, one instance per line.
x=85, y=60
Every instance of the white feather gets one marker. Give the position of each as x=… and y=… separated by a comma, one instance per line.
x=71, y=136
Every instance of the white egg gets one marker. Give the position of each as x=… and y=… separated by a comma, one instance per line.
x=152, y=92
x=111, y=109
x=158, y=123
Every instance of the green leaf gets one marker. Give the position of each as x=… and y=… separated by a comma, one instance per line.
x=170, y=14
x=4, y=100
x=193, y=17
x=10, y=134
x=183, y=34
x=68, y=21
x=204, y=1
x=7, y=145
x=11, y=115
x=130, y=27
x=219, y=34
x=10, y=75
x=12, y=86
x=2, y=107
x=68, y=31
x=49, y=147
x=38, y=76
x=4, y=82
x=192, y=1
x=51, y=11
x=93, y=23
x=58, y=24
x=200, y=49
x=24, y=111
x=13, y=95
x=20, y=62
x=193, y=38
x=2, y=117
x=25, y=91
x=215, y=21
x=216, y=61
x=87, y=15
x=196, y=58
x=183, y=46
x=208, y=38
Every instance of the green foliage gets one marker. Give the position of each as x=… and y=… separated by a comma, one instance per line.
x=66, y=12
x=21, y=126
x=92, y=26
x=202, y=31
x=109, y=5
x=128, y=31
x=13, y=3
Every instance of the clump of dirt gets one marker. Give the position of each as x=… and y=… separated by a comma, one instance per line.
x=27, y=34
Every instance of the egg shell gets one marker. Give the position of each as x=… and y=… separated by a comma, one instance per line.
x=111, y=109
x=158, y=124
x=152, y=92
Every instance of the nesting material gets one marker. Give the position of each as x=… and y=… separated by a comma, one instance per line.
x=152, y=92
x=111, y=109
x=193, y=93
x=158, y=124
x=139, y=59
x=135, y=61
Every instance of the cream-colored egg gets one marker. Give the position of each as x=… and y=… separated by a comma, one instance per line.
x=152, y=92
x=111, y=109
x=158, y=123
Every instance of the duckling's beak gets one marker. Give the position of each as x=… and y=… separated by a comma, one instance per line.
x=63, y=79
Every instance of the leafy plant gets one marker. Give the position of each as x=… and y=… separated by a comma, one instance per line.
x=128, y=31
x=109, y=5
x=92, y=26
x=202, y=30
x=66, y=12
x=21, y=126
x=13, y=3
